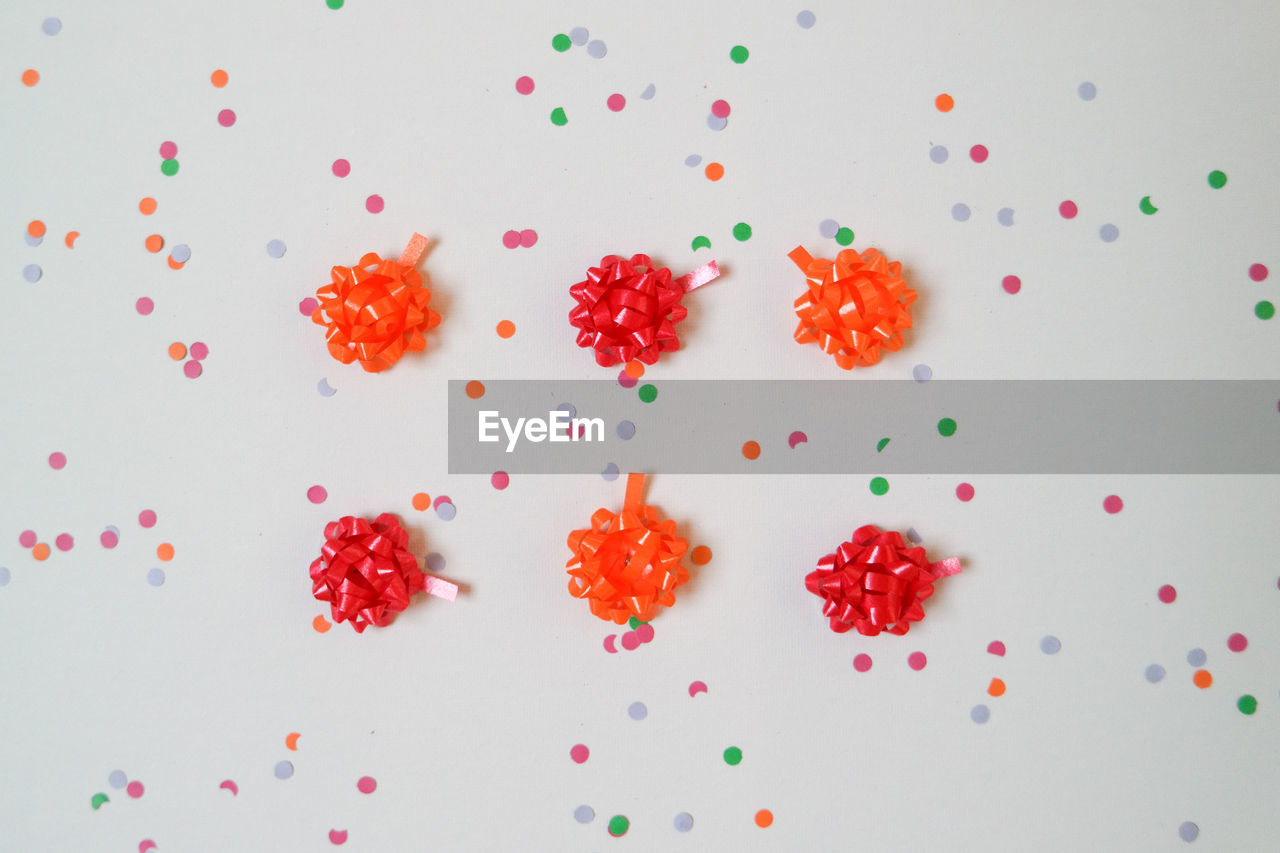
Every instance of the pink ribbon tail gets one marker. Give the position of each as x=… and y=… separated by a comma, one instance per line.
x=413, y=251
x=703, y=274
x=945, y=568
x=441, y=588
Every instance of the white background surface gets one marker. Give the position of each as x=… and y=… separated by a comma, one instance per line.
x=465, y=713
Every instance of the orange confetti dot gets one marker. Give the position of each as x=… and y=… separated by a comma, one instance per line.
x=714, y=171
x=218, y=78
x=475, y=389
x=40, y=551
x=321, y=624
x=35, y=228
x=176, y=265
x=154, y=243
x=177, y=351
x=506, y=329
x=944, y=103
x=165, y=551
x=1202, y=678
x=751, y=450
x=701, y=555
x=764, y=818
x=634, y=369
x=422, y=501
x=30, y=77
x=147, y=206
x=996, y=688
x=71, y=239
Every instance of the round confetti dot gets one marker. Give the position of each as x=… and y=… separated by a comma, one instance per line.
x=341, y=168
x=1050, y=644
x=422, y=501
x=1264, y=310
x=32, y=273
x=181, y=253
x=57, y=460
x=764, y=818
x=862, y=662
x=637, y=711
x=147, y=206
x=51, y=26
x=1258, y=272
x=164, y=551
x=144, y=305
x=226, y=118
x=1202, y=678
x=615, y=102
x=218, y=78
x=109, y=539
x=922, y=373
x=714, y=171
x=40, y=551
x=284, y=769
x=528, y=237
x=980, y=714
x=979, y=153
x=177, y=351
x=442, y=499
x=631, y=641
x=1005, y=216
x=307, y=306
x=683, y=822
x=366, y=784
x=964, y=492
x=610, y=473
x=334, y=4
x=1155, y=673
x=276, y=248
x=27, y=538
x=938, y=154
x=579, y=753
x=500, y=480
x=154, y=243
x=693, y=160
x=1068, y=209
x=1109, y=233
x=732, y=756
x=584, y=814
x=147, y=518
x=374, y=203
x=168, y=150
x=36, y=229
x=996, y=687
x=960, y=212
x=618, y=826
x=117, y=779
x=475, y=389
x=561, y=42
x=645, y=633
x=64, y=542
x=701, y=555
x=447, y=511
x=596, y=49
x=917, y=661
x=946, y=427
x=1217, y=179
x=30, y=77
x=626, y=380
x=1112, y=504
x=878, y=485
x=506, y=328
x=944, y=102
x=996, y=647
x=192, y=369
x=1188, y=831
x=717, y=123
x=806, y=19
x=626, y=430
x=742, y=232
x=1087, y=91
x=134, y=789
x=155, y=577
x=1247, y=704
x=317, y=494
x=199, y=350
x=720, y=108
x=648, y=393
x=828, y=228
x=511, y=239
x=169, y=167
x=1237, y=642
x=751, y=450
x=558, y=118
x=634, y=369
x=739, y=54
x=524, y=85
x=579, y=36
x=844, y=236
x=1167, y=594
x=1197, y=657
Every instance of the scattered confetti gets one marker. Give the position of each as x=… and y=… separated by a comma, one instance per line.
x=475, y=389
x=806, y=19
x=1217, y=179
x=97, y=800
x=922, y=373
x=321, y=625
x=57, y=460
x=828, y=228
x=795, y=438
x=134, y=789
x=1050, y=644
x=683, y=822
x=341, y=168
x=168, y=149
x=739, y=54
x=1108, y=233
x=1011, y=284
x=917, y=661
x=366, y=784
x=693, y=160
x=1188, y=831
x=30, y=77
x=218, y=78
x=946, y=427
x=996, y=687
x=648, y=92
x=144, y=306
x=579, y=753
x=637, y=711
x=938, y=154
x=1237, y=642
x=1155, y=673
x=742, y=232
x=862, y=662
x=844, y=236
x=717, y=124
x=276, y=248
x=1167, y=594
x=980, y=714
x=618, y=826
x=374, y=203
x=626, y=430
x=27, y=538
x=960, y=212
x=579, y=36
x=524, y=85
x=558, y=118
x=1145, y=205
x=714, y=171
x=1005, y=216
x=648, y=393
x=500, y=480
x=317, y=494
x=325, y=388
x=1068, y=209
x=584, y=814
x=610, y=472
x=337, y=836
x=51, y=26
x=155, y=577
x=446, y=511
x=616, y=102
x=5, y=576
x=944, y=102
x=226, y=118
x=1202, y=678
x=696, y=687
x=1264, y=310
x=979, y=153
x=169, y=167
x=181, y=253
x=764, y=818
x=64, y=542
x=596, y=49
x=1087, y=91
x=1197, y=657
x=751, y=450
x=561, y=42
x=733, y=756
x=1247, y=704
x=229, y=785
x=284, y=769
x=32, y=273
x=879, y=485
x=147, y=518
x=1258, y=272
x=1112, y=504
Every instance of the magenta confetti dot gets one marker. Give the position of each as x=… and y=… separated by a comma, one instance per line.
x=500, y=480
x=109, y=539
x=192, y=369
x=511, y=239
x=341, y=167
x=367, y=785
x=1237, y=642
x=144, y=306
x=64, y=542
x=528, y=237
x=626, y=381
x=720, y=109
x=1112, y=504
x=317, y=494
x=27, y=539
x=168, y=150
x=1011, y=284
x=797, y=437
x=917, y=660
x=630, y=641
x=147, y=518
x=374, y=203
x=862, y=663
x=579, y=752
x=57, y=461
x=1068, y=209
x=1167, y=594
x=134, y=789
x=442, y=499
x=964, y=492
x=524, y=85
x=995, y=647
x=616, y=102
x=1258, y=272
x=645, y=633
x=226, y=118
x=307, y=306
x=978, y=153
x=199, y=351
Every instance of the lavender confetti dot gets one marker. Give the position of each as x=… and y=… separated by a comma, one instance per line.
x=181, y=253
x=610, y=472
x=1050, y=644
x=446, y=511
x=568, y=407
x=51, y=26
x=32, y=241
x=922, y=373
x=284, y=769
x=938, y=154
x=325, y=389
x=584, y=814
x=806, y=19
x=637, y=711
x=913, y=536
x=716, y=123
x=1108, y=233
x=435, y=563
x=980, y=714
x=960, y=212
x=1155, y=673
x=276, y=248
x=32, y=273
x=4, y=576
x=683, y=822
x=596, y=49
x=1087, y=91
x=693, y=160
x=1197, y=657
x=1005, y=216
x=648, y=92
x=828, y=228
x=155, y=577
x=579, y=36
x=626, y=430
x=1188, y=831
x=117, y=779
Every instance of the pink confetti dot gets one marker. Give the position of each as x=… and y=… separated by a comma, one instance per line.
x=109, y=539
x=524, y=85
x=511, y=239
x=134, y=789
x=1258, y=272
x=442, y=499
x=1112, y=504
x=64, y=542
x=964, y=492
x=147, y=518
x=367, y=785
x=579, y=752
x=720, y=109
x=1068, y=209
x=317, y=494
x=500, y=480
x=630, y=641
x=528, y=237
x=995, y=647
x=862, y=663
x=199, y=350
x=1011, y=284
x=1167, y=594
x=226, y=118
x=645, y=633
x=1237, y=642
x=341, y=168
x=978, y=153
x=168, y=150
x=616, y=102
x=917, y=660
x=338, y=836
x=307, y=306
x=192, y=369
x=625, y=380
x=144, y=306
x=27, y=539
x=57, y=461
x=374, y=203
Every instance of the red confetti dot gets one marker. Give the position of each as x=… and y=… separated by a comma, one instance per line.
x=441, y=499
x=528, y=237
x=1237, y=642
x=1068, y=209
x=1011, y=284
x=1112, y=504
x=1167, y=594
x=862, y=663
x=626, y=380
x=1258, y=272
x=226, y=118
x=720, y=109
x=341, y=167
x=317, y=494
x=996, y=647
x=964, y=492
x=511, y=239
x=367, y=785
x=524, y=85
x=57, y=461
x=374, y=203
x=500, y=480
x=917, y=660
x=978, y=153
x=579, y=753
x=616, y=102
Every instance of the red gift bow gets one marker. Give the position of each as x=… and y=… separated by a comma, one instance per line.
x=628, y=563
x=367, y=574
x=628, y=309
x=875, y=583
x=855, y=305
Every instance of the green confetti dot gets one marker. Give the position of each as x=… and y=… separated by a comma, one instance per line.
x=700, y=242
x=739, y=54
x=1247, y=704
x=634, y=623
x=334, y=4
x=558, y=118
x=844, y=236
x=742, y=232
x=169, y=167
x=561, y=42
x=648, y=393
x=1265, y=310
x=97, y=800
x=733, y=755
x=946, y=426
x=879, y=485
x=618, y=825
x=1217, y=179
x=882, y=444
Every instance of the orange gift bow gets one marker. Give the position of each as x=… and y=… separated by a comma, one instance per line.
x=628, y=563
x=855, y=305
x=377, y=310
